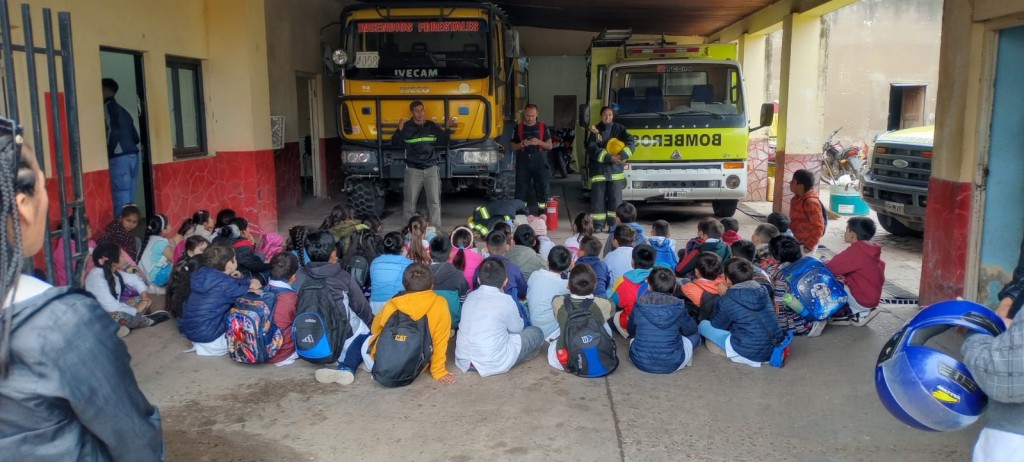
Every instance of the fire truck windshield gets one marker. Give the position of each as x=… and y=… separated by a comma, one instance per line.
x=424, y=49
x=676, y=89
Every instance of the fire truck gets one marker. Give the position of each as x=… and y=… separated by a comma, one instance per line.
x=685, y=105
x=461, y=60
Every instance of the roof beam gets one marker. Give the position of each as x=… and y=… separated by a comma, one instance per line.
x=769, y=19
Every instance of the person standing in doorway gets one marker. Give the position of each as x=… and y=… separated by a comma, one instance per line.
x=531, y=143
x=122, y=147
x=419, y=139
x=609, y=145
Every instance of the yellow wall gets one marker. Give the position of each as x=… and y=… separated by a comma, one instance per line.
x=227, y=35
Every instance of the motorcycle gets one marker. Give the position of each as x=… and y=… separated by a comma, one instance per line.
x=839, y=160
x=561, y=151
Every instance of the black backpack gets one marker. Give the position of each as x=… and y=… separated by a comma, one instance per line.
x=321, y=326
x=363, y=247
x=591, y=350
x=403, y=350
x=703, y=311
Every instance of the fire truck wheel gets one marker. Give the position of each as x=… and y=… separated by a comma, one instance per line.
x=504, y=186
x=724, y=208
x=365, y=197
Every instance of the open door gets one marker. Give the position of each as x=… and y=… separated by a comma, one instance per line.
x=125, y=68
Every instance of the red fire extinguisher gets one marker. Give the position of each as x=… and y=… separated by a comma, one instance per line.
x=552, y=214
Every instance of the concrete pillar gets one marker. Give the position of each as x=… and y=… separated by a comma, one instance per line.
x=965, y=63
x=754, y=65
x=801, y=108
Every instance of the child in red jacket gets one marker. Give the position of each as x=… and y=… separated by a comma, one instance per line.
x=283, y=268
x=861, y=269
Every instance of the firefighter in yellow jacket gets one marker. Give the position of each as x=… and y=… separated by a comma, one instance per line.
x=609, y=145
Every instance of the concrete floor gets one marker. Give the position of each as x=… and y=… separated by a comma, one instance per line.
x=822, y=406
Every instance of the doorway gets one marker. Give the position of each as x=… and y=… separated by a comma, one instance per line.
x=126, y=68
x=308, y=130
x=906, y=106
x=565, y=111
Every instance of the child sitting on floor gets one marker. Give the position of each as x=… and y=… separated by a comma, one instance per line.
x=589, y=255
x=214, y=290
x=620, y=260
x=743, y=325
x=546, y=284
x=178, y=288
x=780, y=222
x=158, y=253
x=763, y=234
x=631, y=286
x=582, y=282
x=121, y=232
x=625, y=215
x=464, y=255
x=448, y=280
x=860, y=268
x=664, y=334
x=731, y=230
x=524, y=252
x=709, y=234
x=582, y=226
x=386, y=271
x=661, y=240
x=701, y=294
x=121, y=294
x=283, y=267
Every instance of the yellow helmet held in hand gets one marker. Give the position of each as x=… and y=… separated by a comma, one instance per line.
x=615, y=146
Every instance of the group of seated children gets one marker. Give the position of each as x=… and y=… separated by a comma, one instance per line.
x=503, y=301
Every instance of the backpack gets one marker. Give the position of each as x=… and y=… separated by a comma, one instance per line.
x=252, y=336
x=403, y=350
x=703, y=311
x=665, y=257
x=519, y=130
x=591, y=350
x=363, y=247
x=321, y=326
x=815, y=287
x=824, y=215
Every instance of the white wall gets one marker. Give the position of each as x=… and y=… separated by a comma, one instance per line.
x=556, y=75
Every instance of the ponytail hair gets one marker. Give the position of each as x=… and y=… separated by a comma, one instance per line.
x=297, y=242
x=197, y=219
x=393, y=243
x=462, y=239
x=583, y=225
x=225, y=216
x=17, y=176
x=154, y=227
x=105, y=256
x=417, y=231
x=234, y=227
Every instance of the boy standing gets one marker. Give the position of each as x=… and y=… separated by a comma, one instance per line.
x=805, y=211
x=348, y=298
x=546, y=285
x=628, y=287
x=744, y=324
x=492, y=337
x=664, y=334
x=861, y=270
x=590, y=251
x=417, y=301
x=283, y=267
x=620, y=260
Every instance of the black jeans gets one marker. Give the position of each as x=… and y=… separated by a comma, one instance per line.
x=605, y=197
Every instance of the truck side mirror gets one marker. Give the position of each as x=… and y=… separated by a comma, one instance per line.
x=767, y=116
x=512, y=44
x=584, y=115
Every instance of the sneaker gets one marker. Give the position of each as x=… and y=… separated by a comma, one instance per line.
x=158, y=317
x=816, y=328
x=364, y=367
x=618, y=326
x=858, y=319
x=714, y=348
x=342, y=376
x=123, y=331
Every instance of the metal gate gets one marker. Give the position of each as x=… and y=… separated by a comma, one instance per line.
x=66, y=166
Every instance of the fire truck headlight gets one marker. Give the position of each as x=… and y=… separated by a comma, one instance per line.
x=480, y=157
x=339, y=57
x=357, y=157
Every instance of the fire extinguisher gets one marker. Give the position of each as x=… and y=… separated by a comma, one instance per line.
x=552, y=213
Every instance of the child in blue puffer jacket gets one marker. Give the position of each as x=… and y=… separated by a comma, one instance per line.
x=214, y=290
x=743, y=324
x=664, y=334
x=386, y=271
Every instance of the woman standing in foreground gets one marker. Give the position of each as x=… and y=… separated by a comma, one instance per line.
x=67, y=391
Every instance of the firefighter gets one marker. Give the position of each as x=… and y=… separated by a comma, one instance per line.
x=532, y=142
x=609, y=145
x=486, y=216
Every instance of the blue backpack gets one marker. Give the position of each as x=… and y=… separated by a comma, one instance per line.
x=666, y=257
x=252, y=336
x=815, y=287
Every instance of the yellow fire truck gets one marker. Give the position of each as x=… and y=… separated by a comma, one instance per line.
x=461, y=60
x=685, y=104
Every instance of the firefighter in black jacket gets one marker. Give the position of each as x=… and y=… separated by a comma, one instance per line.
x=420, y=138
x=486, y=216
x=609, y=144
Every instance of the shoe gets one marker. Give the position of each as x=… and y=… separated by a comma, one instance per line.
x=342, y=376
x=816, y=328
x=158, y=317
x=123, y=331
x=858, y=319
x=618, y=326
x=364, y=367
x=714, y=348
x=155, y=290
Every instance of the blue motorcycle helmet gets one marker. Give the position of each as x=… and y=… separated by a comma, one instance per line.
x=927, y=388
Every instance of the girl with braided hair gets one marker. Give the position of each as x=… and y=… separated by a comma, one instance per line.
x=67, y=391
x=123, y=295
x=158, y=254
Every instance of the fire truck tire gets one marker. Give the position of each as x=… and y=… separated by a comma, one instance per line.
x=724, y=208
x=366, y=198
x=504, y=186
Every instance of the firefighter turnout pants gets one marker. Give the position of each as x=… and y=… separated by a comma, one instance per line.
x=533, y=168
x=605, y=197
